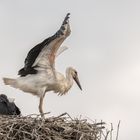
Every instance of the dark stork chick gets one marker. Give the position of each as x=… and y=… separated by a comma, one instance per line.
x=8, y=107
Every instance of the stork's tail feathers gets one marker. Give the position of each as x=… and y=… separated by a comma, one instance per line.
x=9, y=81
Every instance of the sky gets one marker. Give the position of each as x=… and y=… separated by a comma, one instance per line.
x=104, y=47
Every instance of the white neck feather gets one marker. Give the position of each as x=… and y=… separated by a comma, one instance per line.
x=67, y=83
x=69, y=78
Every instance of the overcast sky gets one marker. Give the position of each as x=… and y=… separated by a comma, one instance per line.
x=104, y=47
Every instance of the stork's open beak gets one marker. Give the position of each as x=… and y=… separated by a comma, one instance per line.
x=76, y=79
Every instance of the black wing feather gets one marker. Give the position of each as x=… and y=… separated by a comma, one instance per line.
x=31, y=57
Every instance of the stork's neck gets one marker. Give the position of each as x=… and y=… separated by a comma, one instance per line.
x=69, y=78
x=66, y=82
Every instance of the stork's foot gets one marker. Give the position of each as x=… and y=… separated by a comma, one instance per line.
x=42, y=115
x=41, y=112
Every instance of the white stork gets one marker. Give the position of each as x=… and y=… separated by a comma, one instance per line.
x=39, y=74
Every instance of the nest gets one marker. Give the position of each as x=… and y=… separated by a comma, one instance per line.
x=62, y=127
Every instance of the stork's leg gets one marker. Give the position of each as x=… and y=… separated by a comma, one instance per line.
x=41, y=106
x=42, y=94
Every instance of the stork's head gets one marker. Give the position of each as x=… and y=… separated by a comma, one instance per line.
x=74, y=74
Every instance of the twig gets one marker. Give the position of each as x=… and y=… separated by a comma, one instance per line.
x=111, y=131
x=118, y=130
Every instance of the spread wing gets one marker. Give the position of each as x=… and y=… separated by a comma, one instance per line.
x=44, y=53
x=46, y=58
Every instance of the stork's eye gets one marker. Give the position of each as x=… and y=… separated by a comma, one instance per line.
x=76, y=73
